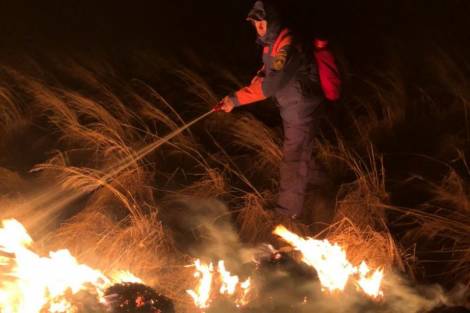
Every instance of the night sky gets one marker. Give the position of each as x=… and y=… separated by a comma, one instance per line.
x=213, y=25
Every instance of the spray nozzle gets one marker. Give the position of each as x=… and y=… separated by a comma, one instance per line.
x=218, y=107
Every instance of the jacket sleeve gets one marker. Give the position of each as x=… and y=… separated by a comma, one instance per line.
x=284, y=64
x=251, y=93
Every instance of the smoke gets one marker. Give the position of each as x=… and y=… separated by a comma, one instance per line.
x=400, y=296
x=205, y=230
x=403, y=297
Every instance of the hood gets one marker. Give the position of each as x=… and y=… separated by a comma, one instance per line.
x=264, y=10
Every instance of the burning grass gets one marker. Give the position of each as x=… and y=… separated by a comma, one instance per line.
x=31, y=283
x=97, y=125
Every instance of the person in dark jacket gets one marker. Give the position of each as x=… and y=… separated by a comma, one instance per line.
x=283, y=77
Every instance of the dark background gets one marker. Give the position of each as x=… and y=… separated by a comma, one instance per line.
x=218, y=27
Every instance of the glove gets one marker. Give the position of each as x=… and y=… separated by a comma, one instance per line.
x=226, y=105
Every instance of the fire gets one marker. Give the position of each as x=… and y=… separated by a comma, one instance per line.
x=202, y=294
x=125, y=277
x=30, y=283
x=209, y=278
x=332, y=265
x=245, y=286
x=370, y=281
x=229, y=282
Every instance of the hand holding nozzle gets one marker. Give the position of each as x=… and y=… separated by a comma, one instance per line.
x=218, y=107
x=225, y=105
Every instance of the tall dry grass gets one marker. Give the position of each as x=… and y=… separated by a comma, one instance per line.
x=263, y=142
x=444, y=221
x=116, y=223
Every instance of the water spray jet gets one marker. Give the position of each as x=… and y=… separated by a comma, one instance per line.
x=51, y=201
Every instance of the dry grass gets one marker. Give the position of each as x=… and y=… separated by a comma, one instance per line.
x=444, y=220
x=361, y=223
x=10, y=113
x=198, y=87
x=118, y=225
x=263, y=142
x=211, y=184
x=256, y=223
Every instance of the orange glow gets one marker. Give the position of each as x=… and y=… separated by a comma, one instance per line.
x=201, y=295
x=213, y=282
x=31, y=282
x=332, y=265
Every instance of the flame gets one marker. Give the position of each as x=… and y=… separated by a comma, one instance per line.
x=332, y=265
x=370, y=281
x=31, y=282
x=125, y=277
x=209, y=277
x=246, y=287
x=202, y=294
x=229, y=282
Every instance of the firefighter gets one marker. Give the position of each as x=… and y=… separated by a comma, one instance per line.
x=287, y=76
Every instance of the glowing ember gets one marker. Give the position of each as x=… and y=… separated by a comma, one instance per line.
x=332, y=266
x=31, y=283
x=209, y=278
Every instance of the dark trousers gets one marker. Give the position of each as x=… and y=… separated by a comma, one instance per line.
x=297, y=165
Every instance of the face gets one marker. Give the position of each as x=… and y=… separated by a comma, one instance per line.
x=261, y=27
